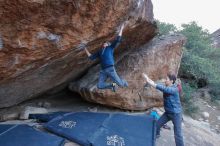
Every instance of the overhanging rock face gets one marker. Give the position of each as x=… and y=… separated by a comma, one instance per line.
x=40, y=40
x=158, y=57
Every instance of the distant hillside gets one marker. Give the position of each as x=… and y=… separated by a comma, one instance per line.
x=216, y=38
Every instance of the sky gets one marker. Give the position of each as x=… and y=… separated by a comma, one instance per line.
x=205, y=12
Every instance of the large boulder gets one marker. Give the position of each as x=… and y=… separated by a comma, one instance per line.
x=40, y=39
x=156, y=58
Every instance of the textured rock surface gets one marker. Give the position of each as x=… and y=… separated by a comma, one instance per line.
x=216, y=38
x=156, y=58
x=24, y=115
x=40, y=39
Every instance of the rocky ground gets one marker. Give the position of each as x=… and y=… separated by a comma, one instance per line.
x=209, y=112
x=196, y=132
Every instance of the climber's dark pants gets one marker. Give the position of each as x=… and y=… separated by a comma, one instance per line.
x=176, y=118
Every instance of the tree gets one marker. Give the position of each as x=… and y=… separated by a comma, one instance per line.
x=197, y=39
x=166, y=28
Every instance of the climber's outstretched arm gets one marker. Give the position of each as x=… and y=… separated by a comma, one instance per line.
x=91, y=56
x=87, y=52
x=116, y=42
x=149, y=81
x=164, y=89
x=121, y=30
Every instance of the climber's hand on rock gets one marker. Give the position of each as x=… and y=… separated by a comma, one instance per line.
x=87, y=52
x=145, y=76
x=81, y=47
x=121, y=29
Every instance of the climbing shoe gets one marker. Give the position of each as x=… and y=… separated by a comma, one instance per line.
x=166, y=127
x=157, y=136
x=114, y=87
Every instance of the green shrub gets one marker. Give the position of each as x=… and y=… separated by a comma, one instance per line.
x=166, y=28
x=187, y=100
x=198, y=39
x=192, y=69
x=214, y=91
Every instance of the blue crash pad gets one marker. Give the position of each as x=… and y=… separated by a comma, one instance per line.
x=46, y=117
x=24, y=135
x=5, y=127
x=77, y=127
x=102, y=129
x=126, y=130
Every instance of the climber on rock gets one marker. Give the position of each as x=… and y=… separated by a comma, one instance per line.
x=105, y=54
